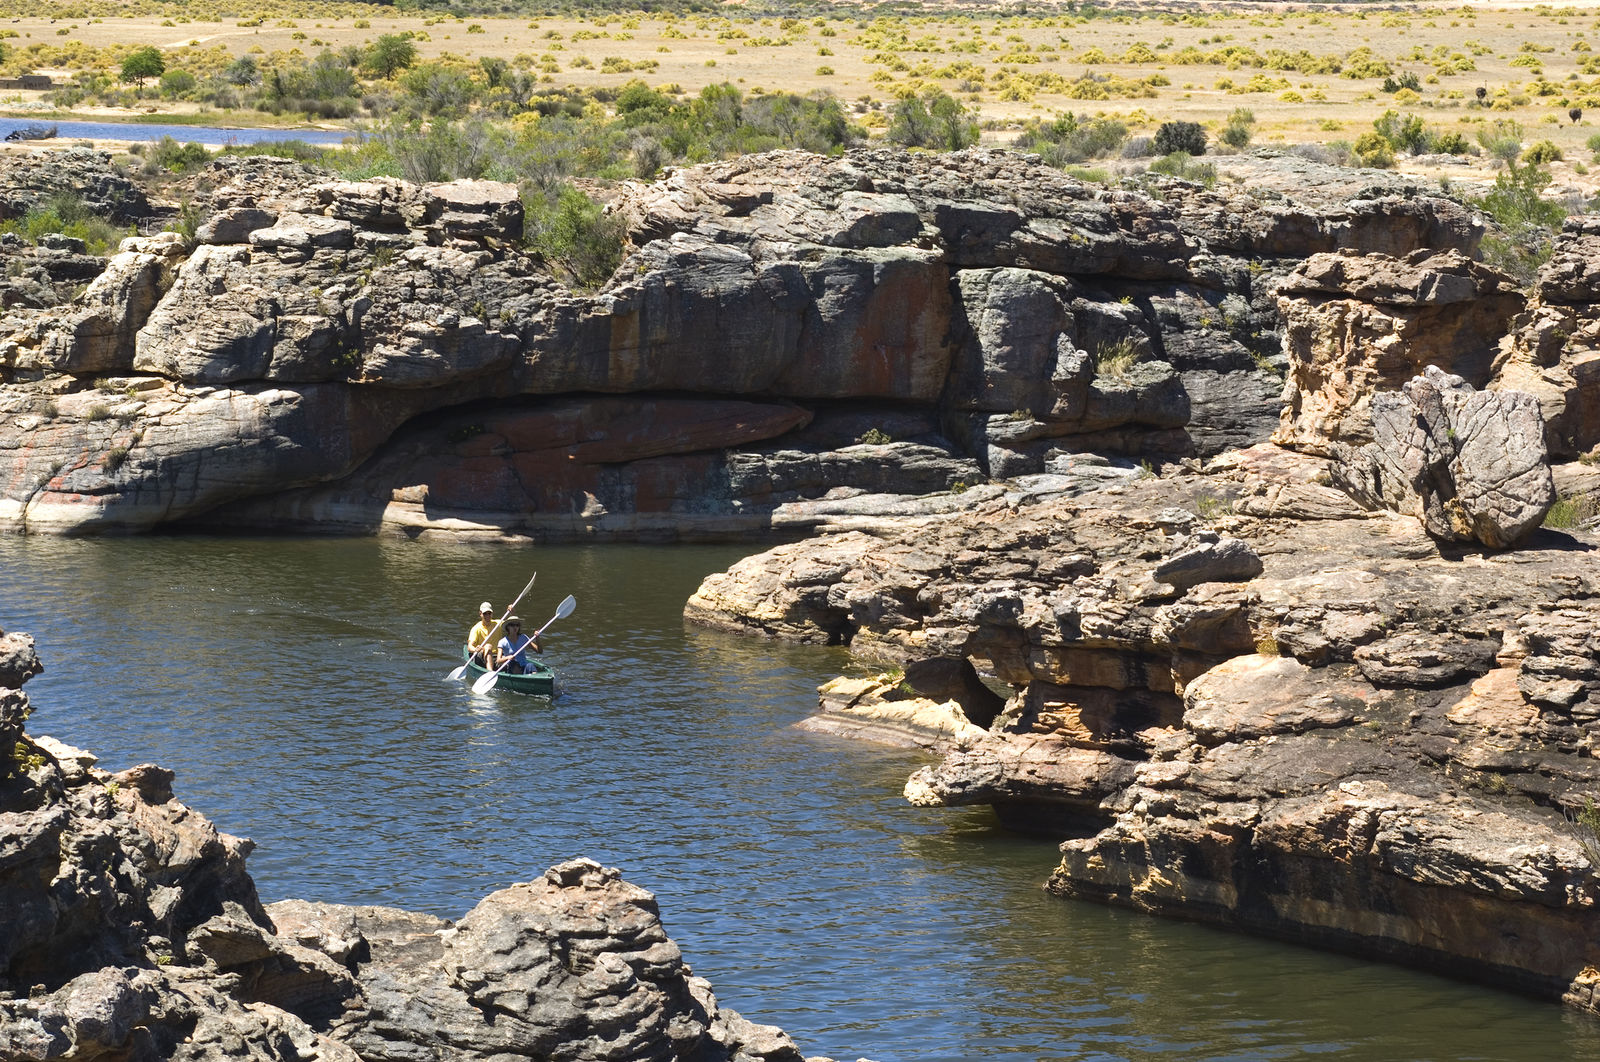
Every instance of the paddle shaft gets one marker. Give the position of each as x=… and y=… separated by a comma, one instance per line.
x=511, y=608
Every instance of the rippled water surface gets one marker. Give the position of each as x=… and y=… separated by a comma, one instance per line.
x=298, y=689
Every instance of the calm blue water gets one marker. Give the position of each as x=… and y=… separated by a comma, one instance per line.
x=298, y=689
x=184, y=134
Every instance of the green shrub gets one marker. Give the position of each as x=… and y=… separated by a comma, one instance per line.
x=1572, y=511
x=574, y=235
x=1404, y=132
x=1502, y=139
x=167, y=155
x=1072, y=138
x=1525, y=220
x=1541, y=153
x=933, y=120
x=1181, y=164
x=1188, y=138
x=66, y=214
x=1237, y=132
x=1373, y=149
x=176, y=83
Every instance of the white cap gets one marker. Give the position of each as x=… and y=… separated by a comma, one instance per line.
x=486, y=607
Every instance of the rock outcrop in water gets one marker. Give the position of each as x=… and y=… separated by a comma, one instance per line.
x=1330, y=728
x=129, y=930
x=1339, y=690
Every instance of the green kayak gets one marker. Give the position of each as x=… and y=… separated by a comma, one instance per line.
x=540, y=682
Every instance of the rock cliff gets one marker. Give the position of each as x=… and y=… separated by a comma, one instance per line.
x=1339, y=687
x=361, y=356
x=129, y=929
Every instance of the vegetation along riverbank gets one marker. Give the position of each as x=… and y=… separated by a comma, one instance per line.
x=1193, y=411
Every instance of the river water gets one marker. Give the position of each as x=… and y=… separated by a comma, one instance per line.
x=298, y=688
x=184, y=134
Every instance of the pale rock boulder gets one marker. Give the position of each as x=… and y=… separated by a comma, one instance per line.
x=1207, y=557
x=234, y=224
x=214, y=326
x=1470, y=464
x=878, y=710
x=97, y=335
x=1255, y=696
x=470, y=211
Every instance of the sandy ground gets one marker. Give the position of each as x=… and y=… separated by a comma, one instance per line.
x=867, y=63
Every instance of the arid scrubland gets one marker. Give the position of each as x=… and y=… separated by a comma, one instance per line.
x=1503, y=102
x=1307, y=74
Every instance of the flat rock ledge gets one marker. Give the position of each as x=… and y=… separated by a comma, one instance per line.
x=159, y=948
x=1237, y=697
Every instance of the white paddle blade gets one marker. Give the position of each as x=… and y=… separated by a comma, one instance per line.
x=455, y=676
x=566, y=607
x=486, y=682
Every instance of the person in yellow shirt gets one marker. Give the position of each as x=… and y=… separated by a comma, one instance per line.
x=481, y=639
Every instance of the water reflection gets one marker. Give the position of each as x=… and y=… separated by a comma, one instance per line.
x=298, y=688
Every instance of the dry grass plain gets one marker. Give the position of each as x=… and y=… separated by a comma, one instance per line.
x=1145, y=63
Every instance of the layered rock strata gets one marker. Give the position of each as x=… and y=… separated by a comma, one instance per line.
x=1245, y=700
x=129, y=929
x=374, y=355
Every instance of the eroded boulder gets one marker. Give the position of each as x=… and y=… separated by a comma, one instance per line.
x=1470, y=464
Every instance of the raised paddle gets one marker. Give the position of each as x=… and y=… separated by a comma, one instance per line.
x=489, y=639
x=486, y=681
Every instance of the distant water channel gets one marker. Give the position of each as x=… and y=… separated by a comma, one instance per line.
x=185, y=134
x=298, y=689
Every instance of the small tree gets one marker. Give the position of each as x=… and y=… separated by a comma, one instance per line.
x=1188, y=137
x=143, y=63
x=933, y=120
x=243, y=71
x=389, y=54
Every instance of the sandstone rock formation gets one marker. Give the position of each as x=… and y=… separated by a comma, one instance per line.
x=129, y=929
x=1241, y=699
x=323, y=353
x=1553, y=350
x=1356, y=326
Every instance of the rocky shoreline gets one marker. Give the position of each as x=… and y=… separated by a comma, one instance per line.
x=132, y=931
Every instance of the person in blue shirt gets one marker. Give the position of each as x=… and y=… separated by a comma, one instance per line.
x=515, y=647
